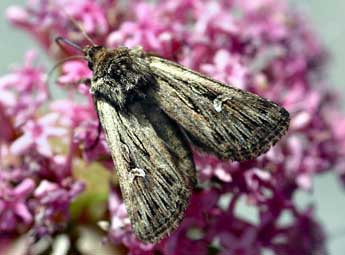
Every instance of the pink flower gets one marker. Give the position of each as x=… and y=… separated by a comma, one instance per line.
x=74, y=71
x=43, y=18
x=90, y=14
x=73, y=114
x=14, y=210
x=36, y=135
x=52, y=205
x=228, y=69
x=266, y=19
x=148, y=31
x=23, y=91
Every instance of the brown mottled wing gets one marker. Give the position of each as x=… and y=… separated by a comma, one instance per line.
x=231, y=123
x=154, y=166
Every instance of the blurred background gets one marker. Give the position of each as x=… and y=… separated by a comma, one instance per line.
x=329, y=21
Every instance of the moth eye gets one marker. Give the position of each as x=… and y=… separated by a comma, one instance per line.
x=90, y=65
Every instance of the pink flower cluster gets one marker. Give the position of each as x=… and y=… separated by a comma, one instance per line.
x=36, y=179
x=262, y=46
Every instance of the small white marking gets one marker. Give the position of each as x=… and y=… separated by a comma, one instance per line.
x=136, y=172
x=218, y=102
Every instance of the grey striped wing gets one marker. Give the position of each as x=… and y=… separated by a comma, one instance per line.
x=231, y=123
x=154, y=164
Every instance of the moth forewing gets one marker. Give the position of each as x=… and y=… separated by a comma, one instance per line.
x=231, y=123
x=154, y=164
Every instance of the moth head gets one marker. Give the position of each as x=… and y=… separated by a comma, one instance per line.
x=92, y=54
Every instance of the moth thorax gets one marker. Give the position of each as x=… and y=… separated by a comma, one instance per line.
x=121, y=79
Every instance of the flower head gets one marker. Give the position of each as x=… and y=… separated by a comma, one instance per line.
x=262, y=46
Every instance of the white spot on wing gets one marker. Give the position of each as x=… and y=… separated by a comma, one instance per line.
x=136, y=172
x=218, y=102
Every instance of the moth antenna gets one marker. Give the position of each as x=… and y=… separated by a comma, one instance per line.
x=60, y=39
x=80, y=28
x=60, y=63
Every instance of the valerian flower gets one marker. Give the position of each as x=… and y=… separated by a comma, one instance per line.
x=29, y=158
x=36, y=134
x=262, y=46
x=52, y=208
x=14, y=211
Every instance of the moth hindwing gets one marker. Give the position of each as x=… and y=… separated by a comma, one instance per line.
x=148, y=107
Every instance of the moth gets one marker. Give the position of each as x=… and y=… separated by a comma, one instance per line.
x=152, y=111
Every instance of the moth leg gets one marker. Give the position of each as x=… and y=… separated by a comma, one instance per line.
x=86, y=81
